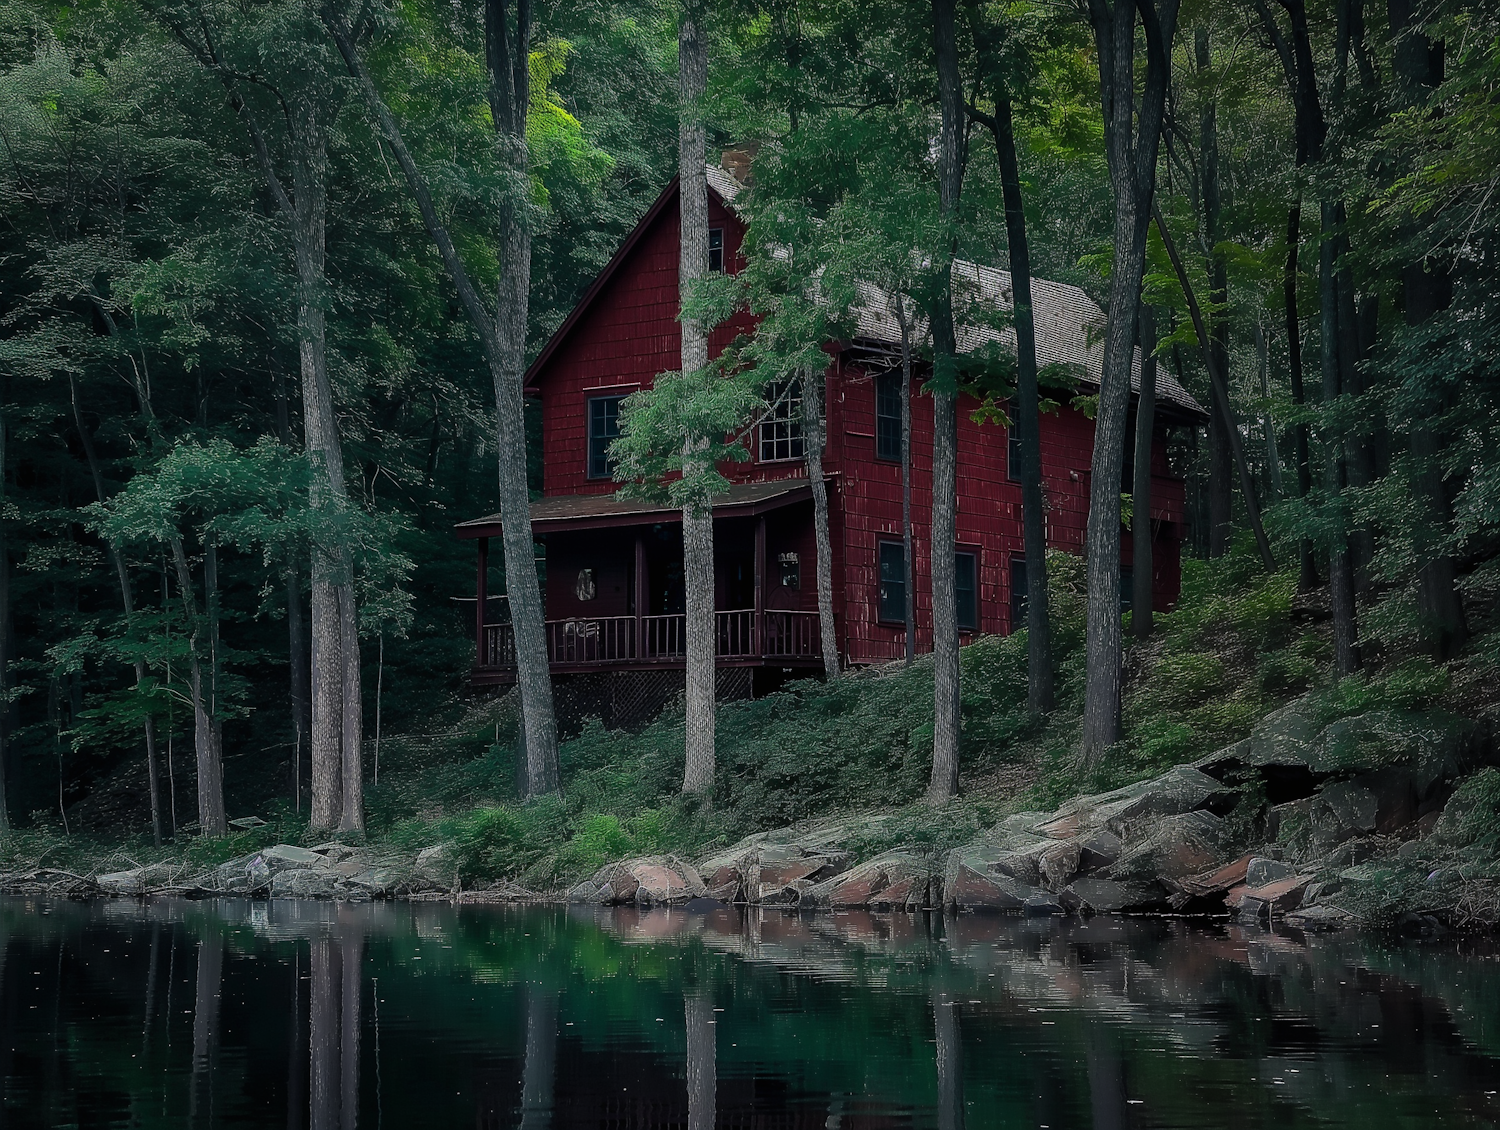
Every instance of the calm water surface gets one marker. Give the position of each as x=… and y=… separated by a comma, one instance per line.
x=306, y=1015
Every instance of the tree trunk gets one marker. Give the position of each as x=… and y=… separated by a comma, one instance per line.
x=1346, y=658
x=332, y=564
x=697, y=516
x=1427, y=290
x=1142, y=567
x=1268, y=425
x=702, y=1060
x=1220, y=461
x=814, y=434
x=908, y=561
x=127, y=601
x=352, y=810
x=1040, y=692
x=502, y=340
x=1131, y=143
x=946, y=689
x=5, y=627
x=1307, y=570
x=211, y=608
x=296, y=633
x=1222, y=403
x=211, y=820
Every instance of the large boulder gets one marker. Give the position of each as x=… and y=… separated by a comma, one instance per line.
x=897, y=880
x=1179, y=846
x=1341, y=811
x=764, y=873
x=304, y=883
x=1109, y=896
x=974, y=880
x=1130, y=811
x=657, y=880
x=137, y=880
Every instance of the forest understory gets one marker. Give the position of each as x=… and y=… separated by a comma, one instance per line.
x=829, y=780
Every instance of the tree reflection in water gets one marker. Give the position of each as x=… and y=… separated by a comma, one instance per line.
x=237, y=1014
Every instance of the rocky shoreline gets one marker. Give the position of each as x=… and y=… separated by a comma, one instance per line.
x=1301, y=823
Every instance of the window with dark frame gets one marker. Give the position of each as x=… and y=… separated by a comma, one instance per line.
x=1017, y=593
x=966, y=590
x=715, y=249
x=604, y=426
x=892, y=582
x=781, y=426
x=888, y=416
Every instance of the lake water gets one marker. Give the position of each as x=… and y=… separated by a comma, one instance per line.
x=308, y=1015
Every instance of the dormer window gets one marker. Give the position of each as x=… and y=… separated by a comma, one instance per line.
x=716, y=249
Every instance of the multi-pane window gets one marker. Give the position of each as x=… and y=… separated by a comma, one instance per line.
x=715, y=249
x=781, y=426
x=966, y=589
x=604, y=426
x=888, y=416
x=892, y=582
x=1017, y=593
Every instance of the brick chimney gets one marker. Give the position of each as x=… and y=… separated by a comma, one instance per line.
x=736, y=161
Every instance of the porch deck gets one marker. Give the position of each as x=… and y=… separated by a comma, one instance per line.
x=746, y=637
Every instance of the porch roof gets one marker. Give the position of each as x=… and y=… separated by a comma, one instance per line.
x=598, y=511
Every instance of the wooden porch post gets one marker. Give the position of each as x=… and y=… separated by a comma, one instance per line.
x=760, y=585
x=482, y=590
x=641, y=596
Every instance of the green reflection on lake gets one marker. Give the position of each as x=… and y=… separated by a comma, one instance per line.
x=310, y=1015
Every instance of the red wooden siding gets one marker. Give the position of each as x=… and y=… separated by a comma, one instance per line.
x=629, y=334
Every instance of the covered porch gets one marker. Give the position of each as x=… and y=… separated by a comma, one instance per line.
x=613, y=584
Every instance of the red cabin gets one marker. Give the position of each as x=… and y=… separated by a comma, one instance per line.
x=613, y=585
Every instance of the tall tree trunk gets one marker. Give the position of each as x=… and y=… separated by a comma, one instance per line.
x=127, y=600
x=814, y=432
x=1040, y=692
x=1220, y=462
x=1222, y=403
x=502, y=340
x=1142, y=568
x=211, y=609
x=5, y=623
x=507, y=46
x=1307, y=570
x=1268, y=425
x=335, y=752
x=1427, y=290
x=945, y=674
x=908, y=560
x=1346, y=658
x=697, y=515
x=296, y=634
x=211, y=820
x=1131, y=141
x=702, y=1060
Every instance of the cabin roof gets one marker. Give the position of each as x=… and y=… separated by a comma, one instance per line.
x=1069, y=324
x=594, y=511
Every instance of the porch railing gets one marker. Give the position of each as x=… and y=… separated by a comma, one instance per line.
x=621, y=640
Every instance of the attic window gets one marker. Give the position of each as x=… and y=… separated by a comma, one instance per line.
x=716, y=249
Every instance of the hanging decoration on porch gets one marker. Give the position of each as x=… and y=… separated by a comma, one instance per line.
x=791, y=570
x=585, y=588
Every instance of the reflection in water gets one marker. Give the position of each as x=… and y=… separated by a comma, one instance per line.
x=319, y=1017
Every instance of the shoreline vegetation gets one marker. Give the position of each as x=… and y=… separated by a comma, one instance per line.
x=1249, y=783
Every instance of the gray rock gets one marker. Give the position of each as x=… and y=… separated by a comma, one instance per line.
x=1262, y=871
x=971, y=881
x=1059, y=864
x=768, y=873
x=438, y=864
x=1099, y=850
x=656, y=880
x=1340, y=812
x=1284, y=737
x=1322, y=918
x=897, y=880
x=1043, y=906
x=137, y=880
x=1252, y=909
x=303, y=883
x=1106, y=896
x=282, y=856
x=1132, y=811
x=1179, y=846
